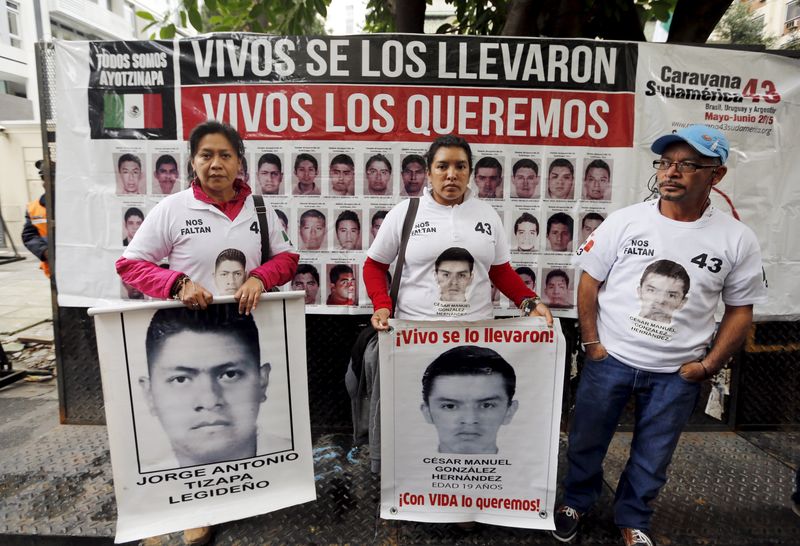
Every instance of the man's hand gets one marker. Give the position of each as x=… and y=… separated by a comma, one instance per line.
x=248, y=295
x=693, y=371
x=596, y=351
x=194, y=296
x=542, y=310
x=380, y=319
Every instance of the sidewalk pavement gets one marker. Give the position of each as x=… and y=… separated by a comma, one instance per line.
x=56, y=488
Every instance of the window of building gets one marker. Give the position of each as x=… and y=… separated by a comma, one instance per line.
x=792, y=10
x=12, y=12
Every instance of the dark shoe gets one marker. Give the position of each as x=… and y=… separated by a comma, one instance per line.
x=636, y=537
x=566, y=520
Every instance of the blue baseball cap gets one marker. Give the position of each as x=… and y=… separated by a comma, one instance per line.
x=706, y=140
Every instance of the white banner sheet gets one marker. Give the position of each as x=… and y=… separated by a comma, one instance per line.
x=470, y=421
x=207, y=412
x=335, y=128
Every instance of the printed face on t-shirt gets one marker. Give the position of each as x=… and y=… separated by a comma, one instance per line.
x=228, y=277
x=467, y=411
x=660, y=297
x=453, y=278
x=206, y=391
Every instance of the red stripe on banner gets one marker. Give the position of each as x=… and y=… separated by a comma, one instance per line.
x=414, y=114
x=153, y=115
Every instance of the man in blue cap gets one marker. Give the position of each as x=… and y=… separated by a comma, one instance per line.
x=673, y=257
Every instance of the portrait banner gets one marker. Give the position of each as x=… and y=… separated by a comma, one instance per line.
x=207, y=412
x=336, y=130
x=470, y=416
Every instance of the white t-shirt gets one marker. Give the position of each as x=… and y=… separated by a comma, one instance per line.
x=651, y=321
x=191, y=234
x=473, y=229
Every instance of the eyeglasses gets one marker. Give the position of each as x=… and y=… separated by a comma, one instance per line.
x=686, y=167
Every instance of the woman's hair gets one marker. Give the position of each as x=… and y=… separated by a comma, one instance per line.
x=448, y=141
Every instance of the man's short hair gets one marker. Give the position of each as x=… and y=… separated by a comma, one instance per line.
x=270, y=158
x=348, y=215
x=128, y=157
x=282, y=216
x=597, y=164
x=560, y=218
x=231, y=255
x=379, y=157
x=469, y=360
x=218, y=319
x=557, y=273
x=311, y=213
x=525, y=270
x=378, y=216
x=592, y=216
x=448, y=141
x=670, y=269
x=526, y=217
x=166, y=159
x=307, y=269
x=455, y=254
x=524, y=164
x=561, y=162
x=134, y=211
x=339, y=270
x=489, y=163
x=413, y=158
x=306, y=157
x=343, y=159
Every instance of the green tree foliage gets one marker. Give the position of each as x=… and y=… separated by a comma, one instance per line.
x=262, y=16
x=739, y=26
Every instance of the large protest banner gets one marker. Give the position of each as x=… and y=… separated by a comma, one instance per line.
x=470, y=421
x=207, y=412
x=335, y=127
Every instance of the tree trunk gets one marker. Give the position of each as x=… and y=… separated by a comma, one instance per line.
x=409, y=16
x=521, y=19
x=693, y=22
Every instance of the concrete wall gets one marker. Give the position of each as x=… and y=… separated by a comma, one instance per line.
x=20, y=147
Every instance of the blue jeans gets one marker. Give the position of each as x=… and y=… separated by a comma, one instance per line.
x=664, y=403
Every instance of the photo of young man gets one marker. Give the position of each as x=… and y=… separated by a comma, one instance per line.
x=342, y=175
x=229, y=271
x=375, y=223
x=348, y=231
x=526, y=233
x=489, y=178
x=379, y=175
x=166, y=175
x=206, y=383
x=306, y=278
x=313, y=230
x=132, y=221
x=557, y=291
x=561, y=179
x=130, y=180
x=414, y=175
x=597, y=181
x=269, y=174
x=559, y=232
x=453, y=271
x=343, y=286
x=306, y=169
x=662, y=290
x=589, y=223
x=525, y=179
x=468, y=394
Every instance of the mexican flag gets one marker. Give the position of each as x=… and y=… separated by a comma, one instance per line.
x=132, y=111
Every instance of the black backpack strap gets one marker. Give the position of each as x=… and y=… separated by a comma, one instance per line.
x=261, y=211
x=411, y=215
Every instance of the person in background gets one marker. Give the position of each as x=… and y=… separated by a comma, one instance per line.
x=34, y=232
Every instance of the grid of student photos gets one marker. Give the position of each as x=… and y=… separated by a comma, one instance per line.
x=550, y=202
x=332, y=198
x=143, y=174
